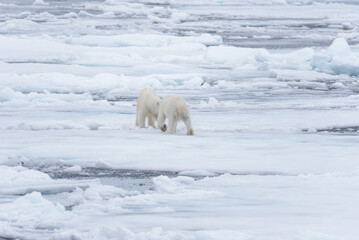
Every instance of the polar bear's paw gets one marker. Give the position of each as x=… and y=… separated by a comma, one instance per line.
x=190, y=132
x=164, y=128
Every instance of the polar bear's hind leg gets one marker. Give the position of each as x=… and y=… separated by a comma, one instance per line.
x=189, y=127
x=137, y=120
x=151, y=120
x=141, y=119
x=187, y=121
x=171, y=125
x=190, y=132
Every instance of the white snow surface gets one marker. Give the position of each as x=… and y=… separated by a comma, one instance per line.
x=273, y=93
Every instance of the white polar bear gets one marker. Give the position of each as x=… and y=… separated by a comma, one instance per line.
x=147, y=106
x=174, y=108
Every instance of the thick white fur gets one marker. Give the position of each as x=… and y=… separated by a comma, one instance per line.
x=147, y=106
x=175, y=108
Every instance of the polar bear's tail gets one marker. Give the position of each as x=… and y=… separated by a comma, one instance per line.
x=179, y=109
x=182, y=111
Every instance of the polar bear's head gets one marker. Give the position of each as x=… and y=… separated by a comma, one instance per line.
x=155, y=106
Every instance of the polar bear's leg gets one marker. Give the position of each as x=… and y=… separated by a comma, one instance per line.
x=172, y=123
x=189, y=127
x=161, y=122
x=137, y=116
x=172, y=126
x=141, y=119
x=187, y=122
x=137, y=121
x=151, y=120
x=175, y=126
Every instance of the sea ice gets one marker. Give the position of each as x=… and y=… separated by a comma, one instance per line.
x=272, y=89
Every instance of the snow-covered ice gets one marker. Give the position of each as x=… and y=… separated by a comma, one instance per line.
x=273, y=92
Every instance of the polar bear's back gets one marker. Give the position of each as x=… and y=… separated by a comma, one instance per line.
x=147, y=95
x=146, y=92
x=174, y=105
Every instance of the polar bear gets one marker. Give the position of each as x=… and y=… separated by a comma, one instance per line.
x=147, y=106
x=174, y=108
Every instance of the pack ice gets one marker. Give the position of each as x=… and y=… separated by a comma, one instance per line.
x=272, y=88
